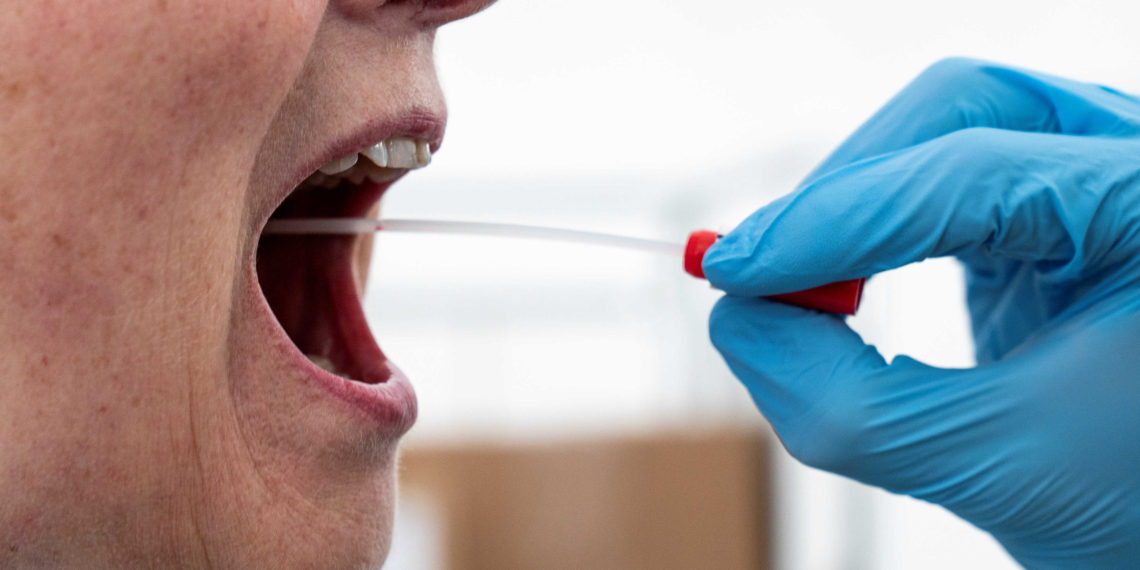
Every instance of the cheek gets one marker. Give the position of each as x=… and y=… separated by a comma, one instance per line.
x=256, y=42
x=180, y=58
x=236, y=60
x=133, y=118
x=156, y=108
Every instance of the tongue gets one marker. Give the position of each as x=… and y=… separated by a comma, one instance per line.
x=309, y=283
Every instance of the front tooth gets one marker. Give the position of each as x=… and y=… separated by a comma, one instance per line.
x=401, y=152
x=340, y=165
x=378, y=154
x=423, y=154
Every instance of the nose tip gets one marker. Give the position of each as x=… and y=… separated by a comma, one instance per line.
x=425, y=13
x=439, y=12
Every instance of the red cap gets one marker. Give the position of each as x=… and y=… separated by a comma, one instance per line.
x=842, y=297
x=699, y=242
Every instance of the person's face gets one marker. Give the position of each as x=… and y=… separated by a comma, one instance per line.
x=157, y=406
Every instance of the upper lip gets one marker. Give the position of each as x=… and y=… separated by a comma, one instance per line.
x=418, y=123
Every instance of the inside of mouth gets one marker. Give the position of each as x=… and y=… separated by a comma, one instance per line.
x=312, y=286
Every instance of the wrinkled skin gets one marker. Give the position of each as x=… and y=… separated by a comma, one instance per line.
x=144, y=421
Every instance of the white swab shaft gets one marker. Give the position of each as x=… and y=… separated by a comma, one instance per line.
x=348, y=226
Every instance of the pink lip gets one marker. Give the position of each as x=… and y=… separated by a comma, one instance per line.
x=390, y=406
x=420, y=124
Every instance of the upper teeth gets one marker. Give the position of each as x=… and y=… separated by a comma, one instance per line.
x=377, y=153
x=386, y=160
x=340, y=165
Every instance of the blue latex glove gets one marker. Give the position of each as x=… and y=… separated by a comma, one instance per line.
x=1034, y=183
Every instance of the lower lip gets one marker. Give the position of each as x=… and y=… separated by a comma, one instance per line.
x=388, y=407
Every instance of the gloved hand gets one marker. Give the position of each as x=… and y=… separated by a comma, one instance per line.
x=1034, y=183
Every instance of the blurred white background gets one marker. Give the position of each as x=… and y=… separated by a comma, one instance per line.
x=652, y=118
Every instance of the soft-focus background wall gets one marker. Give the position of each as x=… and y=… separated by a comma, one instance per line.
x=651, y=118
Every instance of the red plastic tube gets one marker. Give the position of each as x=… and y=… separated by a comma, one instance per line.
x=841, y=297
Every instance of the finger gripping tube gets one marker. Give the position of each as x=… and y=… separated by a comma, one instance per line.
x=841, y=297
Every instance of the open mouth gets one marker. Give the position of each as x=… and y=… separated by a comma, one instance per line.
x=313, y=283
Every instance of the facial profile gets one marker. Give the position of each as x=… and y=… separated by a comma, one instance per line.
x=180, y=390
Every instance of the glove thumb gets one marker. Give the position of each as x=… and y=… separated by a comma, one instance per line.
x=837, y=405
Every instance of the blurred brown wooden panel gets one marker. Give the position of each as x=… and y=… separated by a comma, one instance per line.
x=673, y=501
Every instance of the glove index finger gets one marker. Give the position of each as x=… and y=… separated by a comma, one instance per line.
x=960, y=93
x=1016, y=195
x=844, y=225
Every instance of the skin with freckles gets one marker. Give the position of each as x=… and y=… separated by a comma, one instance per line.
x=146, y=418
